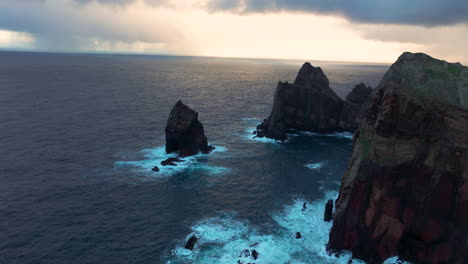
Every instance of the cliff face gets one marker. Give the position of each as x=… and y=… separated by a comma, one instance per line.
x=406, y=188
x=309, y=104
x=184, y=133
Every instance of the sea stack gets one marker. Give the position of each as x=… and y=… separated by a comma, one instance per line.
x=352, y=107
x=406, y=188
x=184, y=132
x=309, y=104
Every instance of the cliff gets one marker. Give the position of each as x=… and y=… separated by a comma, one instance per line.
x=405, y=191
x=309, y=104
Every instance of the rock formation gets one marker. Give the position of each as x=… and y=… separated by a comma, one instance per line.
x=298, y=235
x=191, y=242
x=184, y=133
x=352, y=107
x=328, y=214
x=405, y=191
x=171, y=162
x=309, y=104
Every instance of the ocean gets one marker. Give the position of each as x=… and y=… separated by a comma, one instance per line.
x=79, y=134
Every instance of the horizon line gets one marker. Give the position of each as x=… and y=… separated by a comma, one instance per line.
x=177, y=55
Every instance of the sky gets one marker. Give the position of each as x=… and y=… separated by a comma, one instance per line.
x=333, y=30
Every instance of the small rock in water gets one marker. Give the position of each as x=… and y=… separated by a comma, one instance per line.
x=254, y=244
x=304, y=207
x=328, y=215
x=255, y=254
x=171, y=162
x=191, y=243
x=255, y=132
x=298, y=235
x=155, y=168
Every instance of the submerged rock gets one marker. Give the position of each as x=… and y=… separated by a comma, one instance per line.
x=184, y=132
x=191, y=242
x=171, y=162
x=328, y=215
x=406, y=188
x=255, y=254
x=155, y=168
x=298, y=235
x=244, y=254
x=309, y=104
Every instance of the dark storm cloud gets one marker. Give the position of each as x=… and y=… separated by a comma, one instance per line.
x=411, y=12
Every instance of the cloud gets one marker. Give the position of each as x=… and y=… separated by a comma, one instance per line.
x=188, y=27
x=123, y=2
x=68, y=25
x=448, y=42
x=410, y=12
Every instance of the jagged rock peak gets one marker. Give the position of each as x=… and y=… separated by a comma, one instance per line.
x=309, y=73
x=359, y=94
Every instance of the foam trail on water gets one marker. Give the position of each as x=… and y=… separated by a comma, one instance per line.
x=315, y=165
x=394, y=260
x=248, y=133
x=222, y=239
x=154, y=156
x=346, y=135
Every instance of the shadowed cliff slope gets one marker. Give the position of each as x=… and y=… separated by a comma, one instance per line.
x=406, y=188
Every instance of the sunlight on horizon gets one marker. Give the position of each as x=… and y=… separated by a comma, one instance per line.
x=188, y=28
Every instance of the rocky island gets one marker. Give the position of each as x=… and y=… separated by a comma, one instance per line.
x=184, y=135
x=184, y=132
x=309, y=104
x=405, y=191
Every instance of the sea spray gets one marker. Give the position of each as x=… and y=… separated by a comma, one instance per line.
x=222, y=239
x=153, y=157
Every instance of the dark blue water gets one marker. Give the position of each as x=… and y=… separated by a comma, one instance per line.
x=78, y=134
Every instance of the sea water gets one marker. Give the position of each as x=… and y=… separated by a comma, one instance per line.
x=80, y=133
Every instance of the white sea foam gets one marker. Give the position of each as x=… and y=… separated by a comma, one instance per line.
x=223, y=238
x=315, y=165
x=154, y=156
x=346, y=135
x=394, y=260
x=248, y=133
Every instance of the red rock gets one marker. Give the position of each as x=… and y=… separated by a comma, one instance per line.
x=462, y=204
x=433, y=230
x=405, y=191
